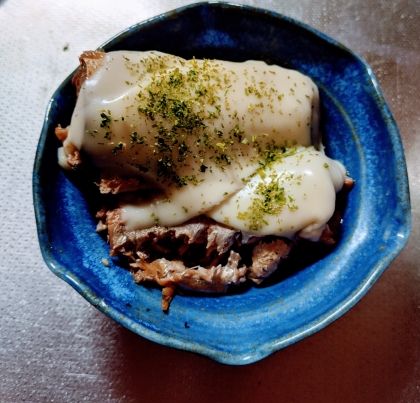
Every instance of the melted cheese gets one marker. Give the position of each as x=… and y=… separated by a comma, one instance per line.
x=297, y=192
x=202, y=134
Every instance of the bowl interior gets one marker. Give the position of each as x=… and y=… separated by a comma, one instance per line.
x=306, y=294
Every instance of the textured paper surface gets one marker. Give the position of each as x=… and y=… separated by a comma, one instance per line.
x=55, y=347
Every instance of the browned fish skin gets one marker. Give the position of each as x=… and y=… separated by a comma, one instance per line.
x=116, y=185
x=62, y=132
x=89, y=61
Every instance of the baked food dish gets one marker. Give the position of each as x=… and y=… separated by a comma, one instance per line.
x=304, y=297
x=217, y=167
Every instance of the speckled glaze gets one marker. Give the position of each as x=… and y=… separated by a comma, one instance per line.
x=306, y=294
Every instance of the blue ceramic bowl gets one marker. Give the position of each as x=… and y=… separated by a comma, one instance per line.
x=246, y=326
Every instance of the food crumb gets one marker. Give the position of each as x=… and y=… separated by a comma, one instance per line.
x=105, y=262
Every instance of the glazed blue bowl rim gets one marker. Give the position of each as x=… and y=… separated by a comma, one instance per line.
x=262, y=350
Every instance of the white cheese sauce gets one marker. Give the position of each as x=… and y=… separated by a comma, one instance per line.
x=295, y=193
x=208, y=137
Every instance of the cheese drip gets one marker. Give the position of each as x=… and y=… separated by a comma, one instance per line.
x=200, y=134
